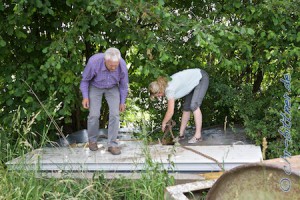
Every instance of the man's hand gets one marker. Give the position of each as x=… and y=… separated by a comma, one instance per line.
x=86, y=103
x=122, y=107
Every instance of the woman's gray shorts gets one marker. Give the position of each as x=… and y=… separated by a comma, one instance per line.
x=194, y=99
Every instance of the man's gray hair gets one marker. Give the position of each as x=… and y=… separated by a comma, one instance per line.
x=112, y=54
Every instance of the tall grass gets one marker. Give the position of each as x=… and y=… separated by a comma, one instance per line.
x=18, y=139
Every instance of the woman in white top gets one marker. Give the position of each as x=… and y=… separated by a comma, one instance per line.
x=191, y=84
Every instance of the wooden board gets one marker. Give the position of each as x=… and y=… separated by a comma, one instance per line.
x=292, y=163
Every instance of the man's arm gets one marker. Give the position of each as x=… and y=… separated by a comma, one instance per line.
x=87, y=76
x=123, y=87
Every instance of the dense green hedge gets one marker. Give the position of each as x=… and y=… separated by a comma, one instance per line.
x=245, y=46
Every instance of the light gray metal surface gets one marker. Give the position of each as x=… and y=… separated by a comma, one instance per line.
x=211, y=136
x=82, y=137
x=177, y=192
x=73, y=154
x=171, y=158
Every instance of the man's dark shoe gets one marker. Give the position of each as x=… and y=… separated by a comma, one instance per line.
x=114, y=150
x=93, y=146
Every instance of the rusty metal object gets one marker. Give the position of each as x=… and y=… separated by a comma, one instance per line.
x=256, y=181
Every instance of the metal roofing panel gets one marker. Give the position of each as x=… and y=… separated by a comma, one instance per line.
x=133, y=159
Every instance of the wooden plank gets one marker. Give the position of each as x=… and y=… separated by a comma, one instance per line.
x=212, y=175
x=293, y=161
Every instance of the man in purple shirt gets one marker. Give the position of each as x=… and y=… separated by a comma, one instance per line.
x=105, y=74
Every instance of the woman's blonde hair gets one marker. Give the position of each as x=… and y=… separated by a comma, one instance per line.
x=157, y=86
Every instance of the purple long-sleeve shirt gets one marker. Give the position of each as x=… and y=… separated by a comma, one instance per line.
x=96, y=74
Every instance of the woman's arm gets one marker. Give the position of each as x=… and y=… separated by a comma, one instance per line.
x=169, y=113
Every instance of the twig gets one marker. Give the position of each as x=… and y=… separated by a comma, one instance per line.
x=170, y=124
x=225, y=124
x=49, y=115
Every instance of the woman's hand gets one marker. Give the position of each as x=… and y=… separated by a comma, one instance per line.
x=169, y=114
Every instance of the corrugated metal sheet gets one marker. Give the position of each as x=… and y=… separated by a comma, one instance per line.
x=172, y=158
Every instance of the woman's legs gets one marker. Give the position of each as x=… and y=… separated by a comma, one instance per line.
x=196, y=102
x=184, y=120
x=192, y=102
x=198, y=122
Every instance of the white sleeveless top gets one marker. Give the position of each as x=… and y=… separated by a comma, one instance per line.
x=183, y=83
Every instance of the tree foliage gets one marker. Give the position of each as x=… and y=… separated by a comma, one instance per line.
x=245, y=46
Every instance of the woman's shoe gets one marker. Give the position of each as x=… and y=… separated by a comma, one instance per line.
x=181, y=137
x=194, y=140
